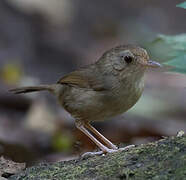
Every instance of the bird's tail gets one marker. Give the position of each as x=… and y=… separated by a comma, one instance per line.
x=32, y=89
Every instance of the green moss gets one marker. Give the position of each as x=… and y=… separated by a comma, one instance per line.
x=165, y=159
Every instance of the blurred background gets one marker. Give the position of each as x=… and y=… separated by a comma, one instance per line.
x=42, y=40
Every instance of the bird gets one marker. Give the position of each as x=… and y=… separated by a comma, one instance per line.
x=101, y=90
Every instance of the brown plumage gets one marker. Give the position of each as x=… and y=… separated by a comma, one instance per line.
x=109, y=87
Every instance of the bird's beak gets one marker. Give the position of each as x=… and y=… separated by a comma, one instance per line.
x=152, y=64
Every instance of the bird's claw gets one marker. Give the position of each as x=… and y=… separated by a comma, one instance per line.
x=87, y=154
x=126, y=148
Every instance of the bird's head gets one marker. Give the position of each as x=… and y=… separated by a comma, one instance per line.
x=129, y=59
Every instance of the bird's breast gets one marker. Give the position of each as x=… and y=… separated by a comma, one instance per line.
x=125, y=95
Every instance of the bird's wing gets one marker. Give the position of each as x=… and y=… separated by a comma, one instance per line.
x=84, y=78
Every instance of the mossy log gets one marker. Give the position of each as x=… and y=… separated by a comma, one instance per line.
x=164, y=159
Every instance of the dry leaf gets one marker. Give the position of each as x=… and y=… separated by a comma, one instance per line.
x=8, y=167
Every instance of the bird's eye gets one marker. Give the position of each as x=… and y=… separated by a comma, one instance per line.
x=128, y=59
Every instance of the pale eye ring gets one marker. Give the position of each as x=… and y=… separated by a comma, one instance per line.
x=128, y=59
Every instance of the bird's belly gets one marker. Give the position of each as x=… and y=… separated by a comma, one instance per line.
x=96, y=106
x=121, y=104
x=121, y=100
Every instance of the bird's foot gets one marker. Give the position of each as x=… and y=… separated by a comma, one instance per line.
x=87, y=154
x=126, y=148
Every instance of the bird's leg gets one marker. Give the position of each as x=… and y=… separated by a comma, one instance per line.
x=80, y=126
x=99, y=135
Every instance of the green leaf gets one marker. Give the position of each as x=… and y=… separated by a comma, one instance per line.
x=182, y=5
x=171, y=50
x=178, y=64
x=174, y=49
x=176, y=42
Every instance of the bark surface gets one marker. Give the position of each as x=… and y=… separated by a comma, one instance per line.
x=164, y=159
